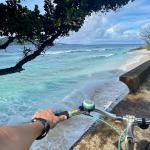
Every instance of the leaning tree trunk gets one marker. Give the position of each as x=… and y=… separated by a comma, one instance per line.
x=19, y=66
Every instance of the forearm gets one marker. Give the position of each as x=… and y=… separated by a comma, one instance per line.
x=22, y=136
x=19, y=137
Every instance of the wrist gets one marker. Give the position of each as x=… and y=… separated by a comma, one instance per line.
x=38, y=128
x=38, y=125
x=43, y=125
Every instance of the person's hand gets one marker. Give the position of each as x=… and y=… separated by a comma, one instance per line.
x=50, y=116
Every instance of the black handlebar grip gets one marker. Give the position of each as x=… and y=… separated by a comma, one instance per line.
x=63, y=113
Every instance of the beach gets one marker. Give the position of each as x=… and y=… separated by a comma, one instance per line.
x=93, y=73
x=101, y=137
x=142, y=56
x=98, y=92
x=60, y=57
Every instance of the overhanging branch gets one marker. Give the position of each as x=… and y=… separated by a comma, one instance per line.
x=6, y=44
x=19, y=66
x=32, y=42
x=10, y=70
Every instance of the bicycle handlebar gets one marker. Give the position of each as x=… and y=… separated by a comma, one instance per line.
x=87, y=109
x=65, y=113
x=130, y=121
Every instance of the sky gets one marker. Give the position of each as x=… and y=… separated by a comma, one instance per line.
x=122, y=26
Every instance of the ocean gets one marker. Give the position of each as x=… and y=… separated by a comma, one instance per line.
x=61, y=78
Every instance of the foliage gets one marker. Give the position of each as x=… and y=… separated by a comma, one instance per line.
x=148, y=47
x=145, y=34
x=60, y=17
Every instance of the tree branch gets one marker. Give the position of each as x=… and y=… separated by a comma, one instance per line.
x=10, y=70
x=19, y=66
x=6, y=44
x=32, y=42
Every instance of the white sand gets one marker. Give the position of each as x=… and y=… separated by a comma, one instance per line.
x=141, y=56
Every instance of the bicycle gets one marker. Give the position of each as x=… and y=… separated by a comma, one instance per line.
x=129, y=120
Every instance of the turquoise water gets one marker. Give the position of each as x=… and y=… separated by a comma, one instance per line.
x=54, y=75
x=61, y=79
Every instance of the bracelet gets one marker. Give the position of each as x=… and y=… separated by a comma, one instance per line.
x=46, y=128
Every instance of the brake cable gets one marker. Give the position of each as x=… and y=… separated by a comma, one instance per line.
x=89, y=106
x=110, y=125
x=121, y=138
x=121, y=135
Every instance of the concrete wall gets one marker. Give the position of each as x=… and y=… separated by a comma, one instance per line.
x=134, y=78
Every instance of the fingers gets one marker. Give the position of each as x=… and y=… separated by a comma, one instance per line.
x=49, y=115
x=59, y=119
x=62, y=118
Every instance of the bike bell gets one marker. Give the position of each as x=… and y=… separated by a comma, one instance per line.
x=88, y=105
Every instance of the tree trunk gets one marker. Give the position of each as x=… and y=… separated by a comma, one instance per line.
x=6, y=44
x=10, y=70
x=19, y=66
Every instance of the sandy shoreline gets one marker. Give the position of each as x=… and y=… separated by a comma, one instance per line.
x=140, y=57
x=94, y=139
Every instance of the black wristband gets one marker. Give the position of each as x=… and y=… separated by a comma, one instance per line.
x=46, y=126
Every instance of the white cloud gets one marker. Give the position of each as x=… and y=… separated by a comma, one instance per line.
x=131, y=33
x=115, y=31
x=122, y=26
x=94, y=26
